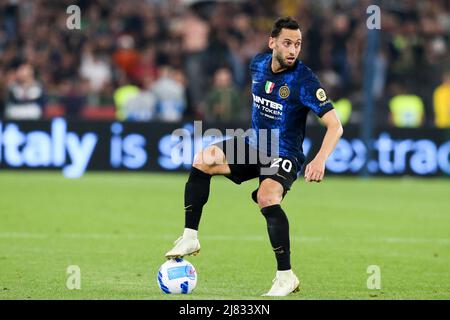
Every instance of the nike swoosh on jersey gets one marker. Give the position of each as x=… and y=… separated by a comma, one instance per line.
x=281, y=176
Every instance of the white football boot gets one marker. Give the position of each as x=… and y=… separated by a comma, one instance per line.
x=186, y=245
x=285, y=282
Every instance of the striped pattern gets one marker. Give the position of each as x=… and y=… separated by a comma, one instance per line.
x=161, y=284
x=269, y=87
x=185, y=287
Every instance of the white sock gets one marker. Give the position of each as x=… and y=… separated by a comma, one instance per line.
x=284, y=273
x=190, y=234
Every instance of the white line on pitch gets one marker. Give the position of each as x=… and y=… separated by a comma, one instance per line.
x=35, y=235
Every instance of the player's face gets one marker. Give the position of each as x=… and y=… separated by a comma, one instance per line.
x=286, y=47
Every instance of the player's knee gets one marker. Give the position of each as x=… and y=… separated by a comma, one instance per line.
x=200, y=164
x=209, y=160
x=266, y=199
x=203, y=162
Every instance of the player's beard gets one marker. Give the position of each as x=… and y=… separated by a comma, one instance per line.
x=283, y=62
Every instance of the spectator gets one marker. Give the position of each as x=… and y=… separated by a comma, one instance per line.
x=407, y=110
x=2, y=89
x=122, y=95
x=442, y=103
x=96, y=70
x=73, y=97
x=136, y=38
x=170, y=92
x=26, y=97
x=194, y=34
x=145, y=71
x=339, y=43
x=223, y=103
x=142, y=107
x=126, y=57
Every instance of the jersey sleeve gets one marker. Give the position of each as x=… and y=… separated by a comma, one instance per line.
x=313, y=96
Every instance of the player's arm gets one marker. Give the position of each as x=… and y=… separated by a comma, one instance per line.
x=315, y=170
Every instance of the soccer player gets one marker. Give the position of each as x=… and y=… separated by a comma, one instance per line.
x=284, y=91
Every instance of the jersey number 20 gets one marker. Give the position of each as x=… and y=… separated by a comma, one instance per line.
x=285, y=164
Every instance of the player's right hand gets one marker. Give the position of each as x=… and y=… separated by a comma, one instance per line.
x=315, y=170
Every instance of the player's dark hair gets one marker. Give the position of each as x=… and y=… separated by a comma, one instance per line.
x=283, y=23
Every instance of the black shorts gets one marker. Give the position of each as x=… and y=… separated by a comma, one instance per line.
x=247, y=163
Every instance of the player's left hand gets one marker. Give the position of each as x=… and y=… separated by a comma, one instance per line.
x=315, y=170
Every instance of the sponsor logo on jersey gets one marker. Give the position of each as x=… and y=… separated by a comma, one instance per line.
x=269, y=87
x=267, y=103
x=267, y=107
x=284, y=91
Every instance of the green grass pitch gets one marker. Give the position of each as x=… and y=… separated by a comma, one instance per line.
x=117, y=227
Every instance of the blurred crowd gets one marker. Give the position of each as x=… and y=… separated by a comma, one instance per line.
x=172, y=60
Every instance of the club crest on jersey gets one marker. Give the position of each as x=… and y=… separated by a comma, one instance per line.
x=284, y=92
x=269, y=87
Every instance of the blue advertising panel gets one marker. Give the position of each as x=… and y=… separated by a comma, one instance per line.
x=75, y=147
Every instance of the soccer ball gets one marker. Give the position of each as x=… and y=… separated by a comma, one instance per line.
x=177, y=276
